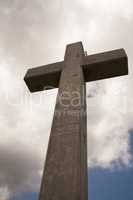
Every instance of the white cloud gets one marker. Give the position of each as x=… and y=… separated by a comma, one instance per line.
x=108, y=140
x=4, y=193
x=112, y=8
x=108, y=127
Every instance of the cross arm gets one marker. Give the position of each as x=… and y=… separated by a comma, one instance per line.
x=43, y=77
x=105, y=65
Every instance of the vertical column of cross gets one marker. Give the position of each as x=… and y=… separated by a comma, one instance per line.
x=64, y=175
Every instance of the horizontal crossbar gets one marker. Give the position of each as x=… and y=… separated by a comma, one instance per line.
x=105, y=65
x=44, y=77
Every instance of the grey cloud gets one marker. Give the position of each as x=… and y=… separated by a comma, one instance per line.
x=19, y=166
x=28, y=31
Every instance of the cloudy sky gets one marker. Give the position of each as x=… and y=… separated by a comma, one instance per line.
x=34, y=33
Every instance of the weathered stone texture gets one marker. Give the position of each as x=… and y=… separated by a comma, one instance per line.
x=65, y=172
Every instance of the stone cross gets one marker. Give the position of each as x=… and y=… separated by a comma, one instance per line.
x=65, y=171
